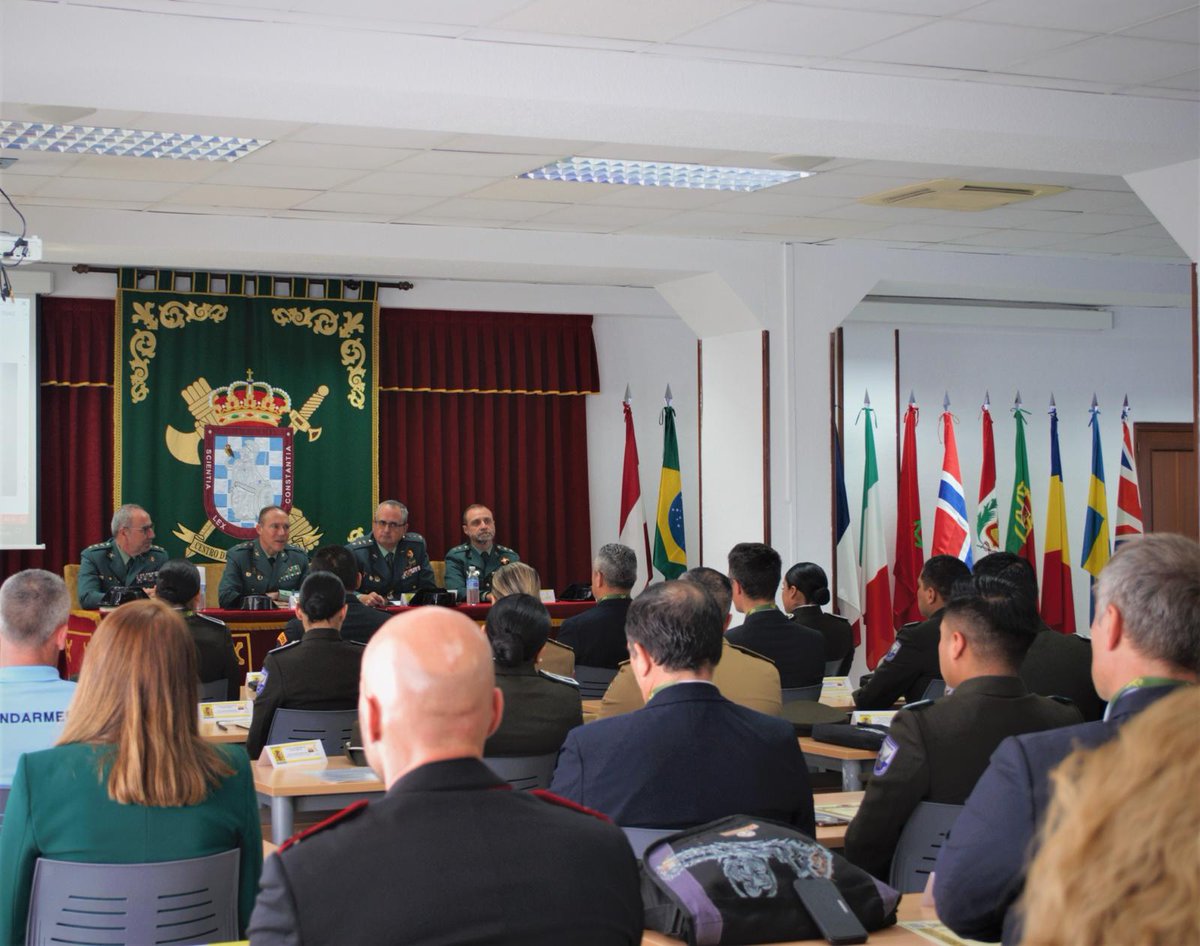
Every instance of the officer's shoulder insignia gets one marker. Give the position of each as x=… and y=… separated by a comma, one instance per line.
x=204, y=617
x=414, y=537
x=910, y=625
x=623, y=663
x=346, y=814
x=558, y=678
x=458, y=548
x=298, y=549
x=159, y=549
x=750, y=653
x=355, y=643
x=561, y=646
x=548, y=796
x=242, y=547
x=98, y=545
x=918, y=706
x=505, y=550
x=362, y=542
x=893, y=650
x=275, y=650
x=1064, y=700
x=887, y=755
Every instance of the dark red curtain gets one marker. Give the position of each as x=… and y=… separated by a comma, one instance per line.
x=75, y=369
x=490, y=408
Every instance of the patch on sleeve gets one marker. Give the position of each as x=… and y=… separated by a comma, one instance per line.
x=887, y=755
x=262, y=682
x=892, y=651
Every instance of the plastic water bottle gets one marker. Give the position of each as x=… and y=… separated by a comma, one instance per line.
x=472, y=585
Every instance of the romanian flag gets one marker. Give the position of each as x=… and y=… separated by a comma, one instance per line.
x=951, y=531
x=849, y=601
x=909, y=557
x=1058, y=601
x=1129, y=497
x=1020, y=513
x=987, y=519
x=633, y=532
x=670, y=556
x=1095, y=528
x=872, y=556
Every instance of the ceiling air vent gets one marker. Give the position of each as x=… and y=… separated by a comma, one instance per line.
x=951, y=194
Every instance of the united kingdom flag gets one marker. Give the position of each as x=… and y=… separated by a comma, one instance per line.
x=1129, y=500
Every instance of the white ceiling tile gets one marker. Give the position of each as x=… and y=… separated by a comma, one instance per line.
x=754, y=56
x=914, y=169
x=804, y=31
x=144, y=169
x=268, y=175
x=1090, y=201
x=622, y=19
x=213, y=125
x=468, y=209
x=1094, y=16
x=816, y=229
x=68, y=115
x=1177, y=27
x=1018, y=239
x=1088, y=222
x=770, y=201
x=922, y=233
x=480, y=163
x=456, y=12
x=556, y=40
x=464, y=222
x=20, y=185
x=705, y=223
x=554, y=192
x=886, y=215
x=1151, y=231
x=269, y=198
x=1044, y=82
x=507, y=144
x=853, y=185
x=1122, y=59
x=1155, y=92
x=1187, y=81
x=339, y=216
x=1113, y=243
x=369, y=137
x=38, y=201
x=309, y=154
x=659, y=198
x=957, y=44
x=590, y=217
x=915, y=7
x=46, y=163
x=142, y=191
x=209, y=210
x=907, y=70
x=418, y=185
x=390, y=205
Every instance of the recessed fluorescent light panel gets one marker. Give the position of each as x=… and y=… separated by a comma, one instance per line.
x=84, y=139
x=579, y=170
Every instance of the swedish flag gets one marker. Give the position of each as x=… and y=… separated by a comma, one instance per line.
x=670, y=556
x=1095, y=529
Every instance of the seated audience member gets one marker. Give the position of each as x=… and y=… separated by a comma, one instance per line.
x=598, y=635
x=1119, y=862
x=34, y=607
x=267, y=565
x=517, y=578
x=361, y=621
x=911, y=664
x=317, y=672
x=129, y=559
x=689, y=755
x=444, y=857
x=1056, y=664
x=1145, y=642
x=179, y=586
x=742, y=676
x=936, y=750
x=805, y=589
x=797, y=651
x=539, y=708
x=130, y=781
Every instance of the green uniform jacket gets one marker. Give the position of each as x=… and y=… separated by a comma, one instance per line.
x=250, y=571
x=60, y=809
x=408, y=571
x=102, y=568
x=459, y=557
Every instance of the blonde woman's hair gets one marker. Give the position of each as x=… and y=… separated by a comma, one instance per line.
x=1119, y=863
x=137, y=694
x=515, y=578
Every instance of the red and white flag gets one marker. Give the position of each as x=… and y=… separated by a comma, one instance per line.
x=633, y=531
x=1129, y=499
x=987, y=516
x=951, y=531
x=872, y=555
x=909, y=555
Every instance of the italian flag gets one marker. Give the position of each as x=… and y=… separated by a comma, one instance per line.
x=872, y=556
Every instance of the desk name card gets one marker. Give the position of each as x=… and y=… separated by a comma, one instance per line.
x=234, y=711
x=872, y=717
x=296, y=753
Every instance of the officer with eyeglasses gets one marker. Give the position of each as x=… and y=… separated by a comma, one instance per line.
x=129, y=558
x=392, y=559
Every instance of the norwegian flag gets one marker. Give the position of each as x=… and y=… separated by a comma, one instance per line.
x=1129, y=499
x=951, y=530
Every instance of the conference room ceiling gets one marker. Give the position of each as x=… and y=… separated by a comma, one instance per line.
x=386, y=174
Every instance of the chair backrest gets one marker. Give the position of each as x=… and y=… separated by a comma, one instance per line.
x=332, y=727
x=832, y=667
x=191, y=901
x=524, y=772
x=641, y=838
x=213, y=571
x=935, y=691
x=214, y=691
x=593, y=681
x=71, y=579
x=439, y=573
x=810, y=694
x=917, y=850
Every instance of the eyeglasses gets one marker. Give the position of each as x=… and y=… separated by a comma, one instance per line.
x=146, y=528
x=384, y=523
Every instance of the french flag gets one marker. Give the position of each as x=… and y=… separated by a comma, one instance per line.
x=951, y=531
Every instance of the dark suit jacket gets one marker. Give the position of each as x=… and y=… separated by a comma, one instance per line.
x=981, y=868
x=936, y=751
x=797, y=651
x=1061, y=665
x=838, y=634
x=449, y=855
x=539, y=711
x=687, y=757
x=214, y=652
x=318, y=672
x=907, y=669
x=598, y=634
x=360, y=623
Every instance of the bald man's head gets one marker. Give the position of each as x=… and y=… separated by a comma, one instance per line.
x=428, y=691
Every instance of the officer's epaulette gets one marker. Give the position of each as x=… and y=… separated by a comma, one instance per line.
x=275, y=650
x=918, y=705
x=905, y=627
x=621, y=664
x=158, y=548
x=560, y=645
x=413, y=537
x=457, y=548
x=504, y=549
x=205, y=617
x=1065, y=700
x=98, y=545
x=553, y=799
x=749, y=652
x=241, y=547
x=347, y=813
x=558, y=678
x=296, y=548
x=362, y=542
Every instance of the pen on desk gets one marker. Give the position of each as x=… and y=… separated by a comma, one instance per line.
x=221, y=726
x=242, y=726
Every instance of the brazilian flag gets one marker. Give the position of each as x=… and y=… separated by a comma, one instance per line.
x=670, y=556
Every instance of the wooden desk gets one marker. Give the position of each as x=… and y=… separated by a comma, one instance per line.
x=290, y=789
x=211, y=732
x=834, y=835
x=910, y=911
x=837, y=692
x=850, y=762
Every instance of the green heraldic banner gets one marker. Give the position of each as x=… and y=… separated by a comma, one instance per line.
x=233, y=400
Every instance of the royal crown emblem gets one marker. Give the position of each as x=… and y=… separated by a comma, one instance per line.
x=249, y=401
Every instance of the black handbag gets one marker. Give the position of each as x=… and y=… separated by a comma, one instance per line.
x=732, y=881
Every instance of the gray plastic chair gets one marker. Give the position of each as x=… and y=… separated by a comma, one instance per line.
x=524, y=772
x=332, y=727
x=810, y=694
x=935, y=691
x=641, y=838
x=213, y=691
x=593, y=681
x=177, y=902
x=832, y=667
x=916, y=852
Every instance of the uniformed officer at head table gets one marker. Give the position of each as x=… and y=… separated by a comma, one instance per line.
x=130, y=557
x=479, y=551
x=391, y=559
x=265, y=566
